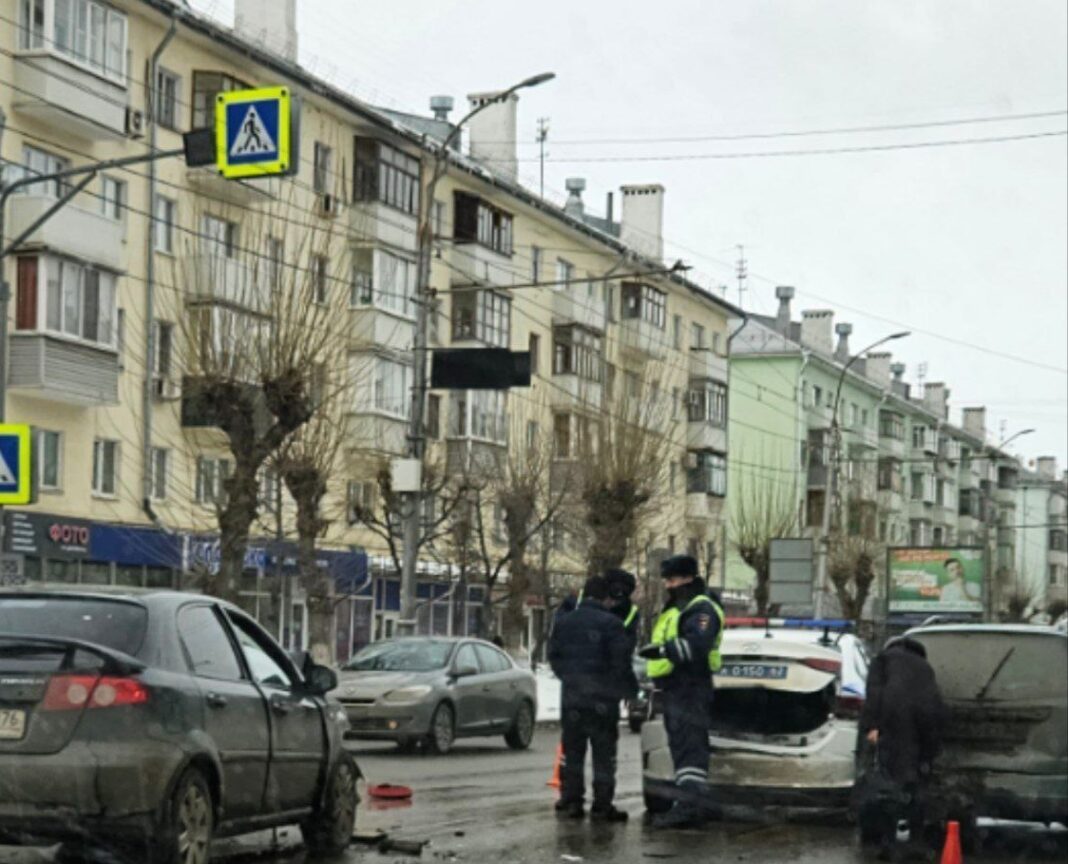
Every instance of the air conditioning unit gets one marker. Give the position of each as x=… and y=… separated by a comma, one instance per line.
x=164, y=388
x=329, y=205
x=135, y=123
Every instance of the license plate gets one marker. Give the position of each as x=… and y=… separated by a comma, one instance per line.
x=12, y=724
x=762, y=671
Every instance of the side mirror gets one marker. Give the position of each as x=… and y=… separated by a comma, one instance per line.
x=320, y=680
x=465, y=671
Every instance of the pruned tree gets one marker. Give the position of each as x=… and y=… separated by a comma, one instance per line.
x=856, y=557
x=765, y=510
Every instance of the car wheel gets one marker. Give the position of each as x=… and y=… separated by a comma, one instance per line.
x=442, y=730
x=188, y=823
x=329, y=830
x=522, y=731
x=656, y=803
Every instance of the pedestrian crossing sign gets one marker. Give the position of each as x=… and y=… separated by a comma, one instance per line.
x=16, y=486
x=253, y=132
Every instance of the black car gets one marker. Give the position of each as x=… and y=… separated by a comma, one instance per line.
x=150, y=725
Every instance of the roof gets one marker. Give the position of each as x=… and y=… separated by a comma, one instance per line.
x=1013, y=629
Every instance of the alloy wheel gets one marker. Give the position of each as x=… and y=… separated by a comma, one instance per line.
x=194, y=826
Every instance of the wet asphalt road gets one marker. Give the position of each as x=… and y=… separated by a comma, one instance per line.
x=484, y=803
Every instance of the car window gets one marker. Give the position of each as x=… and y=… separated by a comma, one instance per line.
x=402, y=655
x=211, y=654
x=491, y=659
x=466, y=656
x=264, y=668
x=116, y=624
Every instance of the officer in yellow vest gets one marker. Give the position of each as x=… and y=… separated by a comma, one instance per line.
x=682, y=656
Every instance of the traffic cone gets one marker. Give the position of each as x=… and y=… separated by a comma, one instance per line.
x=554, y=781
x=951, y=853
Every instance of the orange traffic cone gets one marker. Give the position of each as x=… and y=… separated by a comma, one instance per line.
x=554, y=781
x=951, y=853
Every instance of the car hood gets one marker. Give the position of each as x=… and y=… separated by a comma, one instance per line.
x=371, y=685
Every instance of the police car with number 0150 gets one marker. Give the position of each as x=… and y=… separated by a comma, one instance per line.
x=783, y=717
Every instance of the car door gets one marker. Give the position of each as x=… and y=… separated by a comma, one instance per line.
x=298, y=736
x=497, y=686
x=234, y=710
x=470, y=692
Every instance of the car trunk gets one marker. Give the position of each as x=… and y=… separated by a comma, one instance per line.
x=740, y=712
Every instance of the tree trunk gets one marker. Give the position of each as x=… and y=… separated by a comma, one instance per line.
x=235, y=523
x=307, y=485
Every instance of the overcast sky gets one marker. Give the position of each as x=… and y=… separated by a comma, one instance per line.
x=960, y=244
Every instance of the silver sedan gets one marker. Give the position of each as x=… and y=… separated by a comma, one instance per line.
x=434, y=690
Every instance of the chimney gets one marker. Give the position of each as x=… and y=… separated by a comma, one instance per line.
x=492, y=133
x=608, y=207
x=841, y=350
x=936, y=399
x=1047, y=467
x=441, y=106
x=974, y=422
x=785, y=293
x=271, y=24
x=575, y=187
x=898, y=384
x=642, y=227
x=877, y=368
x=816, y=330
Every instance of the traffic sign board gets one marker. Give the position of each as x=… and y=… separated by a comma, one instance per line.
x=16, y=486
x=253, y=132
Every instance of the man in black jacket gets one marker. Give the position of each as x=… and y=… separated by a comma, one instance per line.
x=590, y=653
x=621, y=585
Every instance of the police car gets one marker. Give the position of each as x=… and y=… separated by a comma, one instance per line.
x=783, y=718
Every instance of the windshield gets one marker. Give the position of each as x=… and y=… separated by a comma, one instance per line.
x=114, y=624
x=414, y=656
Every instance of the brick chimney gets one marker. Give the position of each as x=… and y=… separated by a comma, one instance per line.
x=877, y=367
x=271, y=24
x=491, y=133
x=936, y=399
x=974, y=422
x=642, y=222
x=1046, y=466
x=841, y=350
x=785, y=293
x=816, y=330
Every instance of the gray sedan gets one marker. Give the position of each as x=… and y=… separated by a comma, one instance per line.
x=434, y=690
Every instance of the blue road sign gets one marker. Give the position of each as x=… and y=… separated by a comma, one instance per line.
x=16, y=486
x=252, y=132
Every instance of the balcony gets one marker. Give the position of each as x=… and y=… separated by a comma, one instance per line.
x=242, y=193
x=921, y=510
x=475, y=457
x=1006, y=497
x=890, y=446
x=474, y=264
x=376, y=432
x=71, y=231
x=642, y=338
x=375, y=222
x=370, y=327
x=574, y=305
x=703, y=435
x=230, y=281
x=706, y=365
x=68, y=98
x=864, y=437
x=968, y=524
x=52, y=367
x=889, y=500
x=570, y=391
x=946, y=469
x=698, y=506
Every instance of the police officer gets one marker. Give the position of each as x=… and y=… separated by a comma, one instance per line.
x=682, y=656
x=590, y=653
x=621, y=585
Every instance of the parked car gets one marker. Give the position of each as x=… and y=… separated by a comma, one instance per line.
x=776, y=737
x=434, y=690
x=152, y=724
x=1005, y=754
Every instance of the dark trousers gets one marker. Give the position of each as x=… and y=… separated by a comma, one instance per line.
x=598, y=726
x=686, y=721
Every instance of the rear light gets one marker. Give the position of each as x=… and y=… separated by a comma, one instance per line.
x=848, y=706
x=74, y=692
x=832, y=667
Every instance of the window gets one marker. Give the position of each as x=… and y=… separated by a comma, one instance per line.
x=322, y=173
x=212, y=473
x=676, y=332
x=163, y=349
x=817, y=396
x=264, y=668
x=644, y=302
x=532, y=434
x=93, y=34
x=218, y=236
x=79, y=301
x=163, y=224
x=708, y=403
x=466, y=658
x=1056, y=574
x=891, y=426
x=864, y=417
x=565, y=272
x=31, y=24
x=37, y=161
x=1058, y=540
x=889, y=475
x=675, y=403
x=562, y=435
x=386, y=174
x=534, y=346
x=476, y=221
x=382, y=280
x=158, y=480
x=49, y=459
x=577, y=351
x=609, y=302
x=439, y=218
x=105, y=466
x=919, y=436
x=709, y=474
x=535, y=264
x=697, y=336
x=482, y=315
x=168, y=86
x=433, y=416
x=674, y=470
x=632, y=385
x=390, y=387
x=319, y=268
x=479, y=414
x=206, y=86
x=207, y=645
x=492, y=660
x=112, y=198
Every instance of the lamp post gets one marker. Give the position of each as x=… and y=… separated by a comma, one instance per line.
x=412, y=512
x=1012, y=438
x=832, y=474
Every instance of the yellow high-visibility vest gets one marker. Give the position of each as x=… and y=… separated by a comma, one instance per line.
x=630, y=616
x=667, y=628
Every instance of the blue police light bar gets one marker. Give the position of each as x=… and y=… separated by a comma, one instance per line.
x=797, y=623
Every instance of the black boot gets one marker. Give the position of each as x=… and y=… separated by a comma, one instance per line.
x=570, y=809
x=681, y=815
x=607, y=814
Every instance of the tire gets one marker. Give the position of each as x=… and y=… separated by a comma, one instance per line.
x=329, y=831
x=442, y=730
x=656, y=804
x=188, y=823
x=522, y=731
x=635, y=724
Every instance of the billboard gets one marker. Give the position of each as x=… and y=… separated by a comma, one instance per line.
x=934, y=580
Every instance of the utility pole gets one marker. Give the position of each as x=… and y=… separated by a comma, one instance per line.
x=742, y=272
x=542, y=136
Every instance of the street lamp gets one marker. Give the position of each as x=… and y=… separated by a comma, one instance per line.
x=1012, y=438
x=416, y=441
x=832, y=473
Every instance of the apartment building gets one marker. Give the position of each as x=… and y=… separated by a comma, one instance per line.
x=109, y=291
x=908, y=476
x=1042, y=535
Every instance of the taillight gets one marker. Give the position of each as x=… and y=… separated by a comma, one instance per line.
x=848, y=706
x=832, y=667
x=74, y=692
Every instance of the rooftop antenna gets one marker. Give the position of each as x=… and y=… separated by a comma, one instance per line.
x=742, y=272
x=540, y=138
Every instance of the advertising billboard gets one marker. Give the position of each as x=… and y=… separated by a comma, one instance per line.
x=935, y=580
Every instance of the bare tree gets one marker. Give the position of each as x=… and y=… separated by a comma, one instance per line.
x=856, y=557
x=765, y=510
